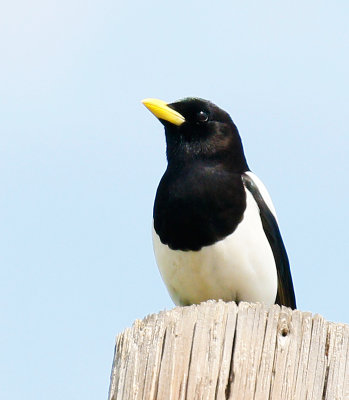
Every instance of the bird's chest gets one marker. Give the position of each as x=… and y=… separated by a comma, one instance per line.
x=198, y=208
x=239, y=267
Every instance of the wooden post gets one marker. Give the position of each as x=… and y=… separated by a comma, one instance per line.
x=223, y=351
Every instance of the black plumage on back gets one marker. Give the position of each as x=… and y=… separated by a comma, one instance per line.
x=285, y=293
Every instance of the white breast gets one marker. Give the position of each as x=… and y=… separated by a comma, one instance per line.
x=239, y=267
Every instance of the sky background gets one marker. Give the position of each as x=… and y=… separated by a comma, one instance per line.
x=80, y=160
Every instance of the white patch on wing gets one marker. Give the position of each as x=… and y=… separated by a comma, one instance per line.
x=263, y=191
x=238, y=267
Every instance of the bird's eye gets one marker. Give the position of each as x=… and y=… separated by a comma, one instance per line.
x=202, y=116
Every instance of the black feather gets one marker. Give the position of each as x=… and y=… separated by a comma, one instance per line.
x=285, y=293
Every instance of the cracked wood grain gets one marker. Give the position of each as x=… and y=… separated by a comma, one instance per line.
x=222, y=351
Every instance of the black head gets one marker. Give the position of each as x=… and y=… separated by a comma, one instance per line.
x=198, y=129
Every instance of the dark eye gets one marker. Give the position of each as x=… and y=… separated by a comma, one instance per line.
x=202, y=116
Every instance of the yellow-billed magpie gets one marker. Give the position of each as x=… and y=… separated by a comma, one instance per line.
x=215, y=230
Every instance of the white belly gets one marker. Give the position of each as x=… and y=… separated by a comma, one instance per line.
x=240, y=267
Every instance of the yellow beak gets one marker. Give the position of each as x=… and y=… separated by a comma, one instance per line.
x=162, y=111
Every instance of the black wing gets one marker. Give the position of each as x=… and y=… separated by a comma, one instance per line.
x=285, y=293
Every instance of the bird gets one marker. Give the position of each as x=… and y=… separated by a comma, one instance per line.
x=215, y=230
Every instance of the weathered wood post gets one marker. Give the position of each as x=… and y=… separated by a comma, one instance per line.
x=220, y=350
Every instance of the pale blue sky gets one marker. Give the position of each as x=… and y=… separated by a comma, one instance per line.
x=80, y=159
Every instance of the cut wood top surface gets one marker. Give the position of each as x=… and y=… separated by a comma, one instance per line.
x=219, y=350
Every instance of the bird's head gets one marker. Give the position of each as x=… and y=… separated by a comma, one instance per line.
x=197, y=129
